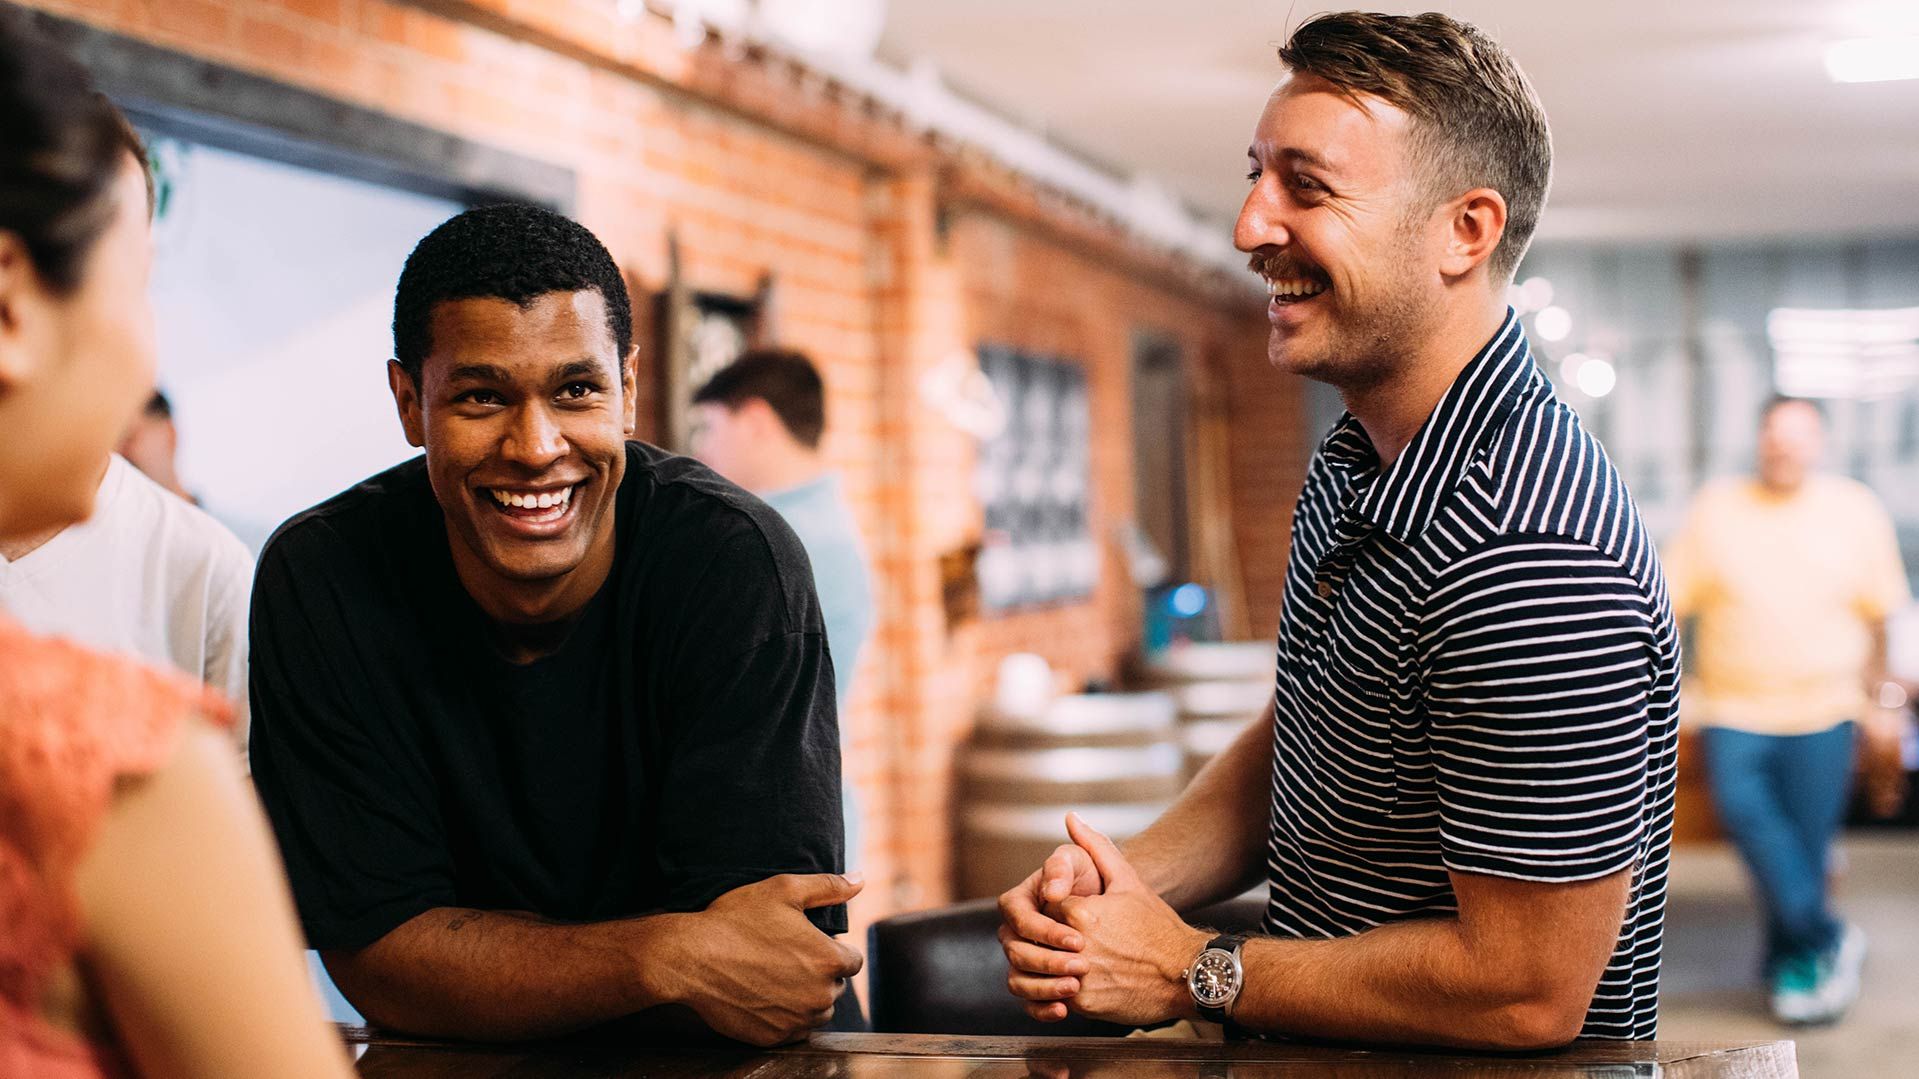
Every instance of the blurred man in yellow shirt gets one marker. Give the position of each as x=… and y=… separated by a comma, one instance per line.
x=1790, y=576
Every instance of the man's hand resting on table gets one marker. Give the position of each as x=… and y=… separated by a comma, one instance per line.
x=755, y=969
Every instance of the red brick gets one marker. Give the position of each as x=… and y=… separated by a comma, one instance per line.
x=382, y=23
x=332, y=14
x=268, y=42
x=201, y=22
x=434, y=36
x=335, y=65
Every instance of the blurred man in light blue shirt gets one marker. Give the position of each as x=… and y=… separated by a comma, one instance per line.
x=758, y=422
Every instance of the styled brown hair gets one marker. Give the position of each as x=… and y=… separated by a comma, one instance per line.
x=786, y=380
x=1476, y=120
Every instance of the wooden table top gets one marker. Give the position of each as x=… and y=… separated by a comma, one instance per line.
x=938, y=1056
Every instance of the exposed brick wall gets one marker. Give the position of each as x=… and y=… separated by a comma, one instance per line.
x=756, y=171
x=1039, y=294
x=1266, y=440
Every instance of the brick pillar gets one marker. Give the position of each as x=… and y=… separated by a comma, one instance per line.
x=928, y=508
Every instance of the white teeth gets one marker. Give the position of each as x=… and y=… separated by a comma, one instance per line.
x=533, y=499
x=1293, y=287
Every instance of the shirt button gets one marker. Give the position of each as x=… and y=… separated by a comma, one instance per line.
x=1325, y=590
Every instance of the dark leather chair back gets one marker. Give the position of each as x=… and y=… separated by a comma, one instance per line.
x=942, y=971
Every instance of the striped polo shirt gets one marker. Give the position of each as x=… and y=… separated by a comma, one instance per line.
x=1478, y=672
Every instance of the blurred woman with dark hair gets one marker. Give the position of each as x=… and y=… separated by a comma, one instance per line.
x=144, y=925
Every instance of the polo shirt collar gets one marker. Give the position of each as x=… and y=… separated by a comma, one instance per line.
x=1404, y=500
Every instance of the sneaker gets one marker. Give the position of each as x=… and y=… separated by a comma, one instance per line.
x=1795, y=989
x=1820, y=988
x=1839, y=972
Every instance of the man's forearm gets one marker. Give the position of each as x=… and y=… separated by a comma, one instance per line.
x=1210, y=845
x=1878, y=659
x=1416, y=983
x=496, y=975
x=1515, y=969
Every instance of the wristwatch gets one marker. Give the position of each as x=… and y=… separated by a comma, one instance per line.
x=1891, y=696
x=1215, y=977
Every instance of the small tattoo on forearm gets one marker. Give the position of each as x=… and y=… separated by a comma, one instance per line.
x=461, y=920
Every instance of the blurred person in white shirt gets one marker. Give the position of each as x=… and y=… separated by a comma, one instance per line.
x=149, y=575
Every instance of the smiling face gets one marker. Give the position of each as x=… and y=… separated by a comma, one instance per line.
x=523, y=415
x=1341, y=228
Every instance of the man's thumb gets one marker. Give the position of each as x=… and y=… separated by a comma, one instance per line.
x=826, y=889
x=1113, y=867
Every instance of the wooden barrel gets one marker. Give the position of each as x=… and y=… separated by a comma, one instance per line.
x=1211, y=715
x=1217, y=661
x=1219, y=688
x=1113, y=758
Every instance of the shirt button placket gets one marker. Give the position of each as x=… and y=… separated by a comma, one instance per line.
x=1334, y=569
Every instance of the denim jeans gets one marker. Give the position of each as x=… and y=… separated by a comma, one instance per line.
x=1781, y=798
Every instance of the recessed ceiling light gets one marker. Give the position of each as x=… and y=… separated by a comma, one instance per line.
x=1874, y=59
x=1844, y=353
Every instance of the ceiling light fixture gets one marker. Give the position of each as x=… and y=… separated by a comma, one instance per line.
x=1844, y=352
x=1874, y=59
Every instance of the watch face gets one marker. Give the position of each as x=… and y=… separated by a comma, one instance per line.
x=1215, y=978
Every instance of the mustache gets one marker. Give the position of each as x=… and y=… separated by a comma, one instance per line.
x=1283, y=267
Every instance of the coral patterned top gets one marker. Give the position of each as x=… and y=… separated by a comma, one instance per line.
x=73, y=723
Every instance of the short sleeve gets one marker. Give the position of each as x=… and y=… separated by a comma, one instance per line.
x=74, y=723
x=1883, y=586
x=752, y=771
x=344, y=784
x=846, y=603
x=1540, y=656
x=229, y=584
x=1684, y=562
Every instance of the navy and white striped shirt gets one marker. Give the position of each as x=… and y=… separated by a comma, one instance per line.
x=1478, y=672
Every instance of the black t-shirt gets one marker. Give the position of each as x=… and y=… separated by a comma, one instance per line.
x=681, y=742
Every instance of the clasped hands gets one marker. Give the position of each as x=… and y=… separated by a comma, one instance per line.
x=1084, y=935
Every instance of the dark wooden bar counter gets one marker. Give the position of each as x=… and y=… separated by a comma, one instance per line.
x=935, y=1056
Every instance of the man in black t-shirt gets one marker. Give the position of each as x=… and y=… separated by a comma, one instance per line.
x=544, y=719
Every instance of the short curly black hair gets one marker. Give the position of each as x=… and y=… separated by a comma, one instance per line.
x=510, y=252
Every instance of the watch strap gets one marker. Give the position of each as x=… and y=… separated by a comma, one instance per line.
x=1218, y=1013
